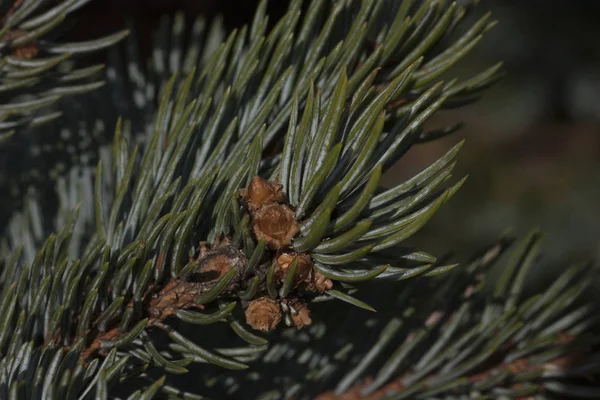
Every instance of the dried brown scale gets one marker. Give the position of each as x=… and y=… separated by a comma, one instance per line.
x=306, y=277
x=176, y=295
x=263, y=314
x=25, y=51
x=300, y=314
x=284, y=262
x=181, y=294
x=96, y=344
x=318, y=282
x=216, y=260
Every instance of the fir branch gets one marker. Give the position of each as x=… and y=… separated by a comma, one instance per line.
x=148, y=211
x=218, y=208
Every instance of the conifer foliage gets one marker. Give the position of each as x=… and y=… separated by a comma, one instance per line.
x=36, y=70
x=251, y=201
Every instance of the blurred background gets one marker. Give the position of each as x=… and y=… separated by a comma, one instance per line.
x=533, y=141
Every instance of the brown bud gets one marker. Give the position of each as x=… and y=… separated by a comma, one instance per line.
x=284, y=262
x=263, y=314
x=276, y=223
x=261, y=191
x=301, y=316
